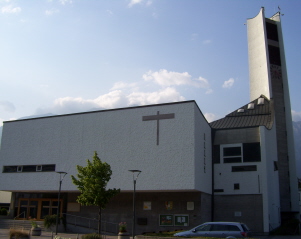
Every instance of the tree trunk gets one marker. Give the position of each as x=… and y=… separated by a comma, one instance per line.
x=99, y=221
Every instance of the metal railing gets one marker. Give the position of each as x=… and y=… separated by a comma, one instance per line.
x=91, y=223
x=18, y=223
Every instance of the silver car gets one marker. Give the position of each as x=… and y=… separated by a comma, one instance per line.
x=218, y=229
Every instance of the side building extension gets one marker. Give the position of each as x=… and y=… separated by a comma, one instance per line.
x=246, y=186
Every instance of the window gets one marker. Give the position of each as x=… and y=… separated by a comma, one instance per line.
x=9, y=169
x=275, y=165
x=203, y=228
x=237, y=153
x=232, y=153
x=236, y=186
x=246, y=168
x=233, y=228
x=251, y=152
x=29, y=168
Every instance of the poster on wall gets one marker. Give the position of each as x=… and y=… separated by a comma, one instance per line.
x=169, y=205
x=190, y=206
x=182, y=220
x=147, y=205
x=166, y=220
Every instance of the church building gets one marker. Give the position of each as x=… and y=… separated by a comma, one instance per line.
x=238, y=168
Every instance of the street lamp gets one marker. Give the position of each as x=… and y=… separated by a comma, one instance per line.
x=62, y=175
x=135, y=173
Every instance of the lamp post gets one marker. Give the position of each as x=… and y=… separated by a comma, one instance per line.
x=135, y=176
x=62, y=175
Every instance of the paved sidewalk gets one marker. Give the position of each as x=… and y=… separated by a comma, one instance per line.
x=4, y=233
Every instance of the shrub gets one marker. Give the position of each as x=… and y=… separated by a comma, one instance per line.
x=3, y=211
x=92, y=236
x=14, y=233
x=49, y=221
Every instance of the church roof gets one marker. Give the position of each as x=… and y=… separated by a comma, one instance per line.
x=259, y=112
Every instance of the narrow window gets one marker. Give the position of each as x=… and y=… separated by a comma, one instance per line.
x=9, y=169
x=236, y=186
x=275, y=165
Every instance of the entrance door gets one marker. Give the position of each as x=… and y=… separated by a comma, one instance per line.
x=33, y=209
x=38, y=208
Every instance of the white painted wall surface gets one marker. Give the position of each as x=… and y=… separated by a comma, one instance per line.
x=203, y=153
x=120, y=137
x=269, y=179
x=5, y=197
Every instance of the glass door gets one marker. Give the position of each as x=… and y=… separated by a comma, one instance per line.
x=23, y=206
x=38, y=208
x=33, y=209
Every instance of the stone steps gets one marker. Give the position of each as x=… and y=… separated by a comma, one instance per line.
x=18, y=224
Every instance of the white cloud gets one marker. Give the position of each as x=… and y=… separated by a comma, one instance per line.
x=210, y=117
x=10, y=9
x=51, y=12
x=229, y=83
x=113, y=99
x=124, y=94
x=122, y=85
x=171, y=78
x=168, y=94
x=7, y=106
x=296, y=116
x=134, y=2
x=165, y=78
x=203, y=83
x=64, y=2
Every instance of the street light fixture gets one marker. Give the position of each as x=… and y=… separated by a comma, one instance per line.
x=62, y=175
x=135, y=176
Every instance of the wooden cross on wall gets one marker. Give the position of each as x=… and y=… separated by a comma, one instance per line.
x=158, y=117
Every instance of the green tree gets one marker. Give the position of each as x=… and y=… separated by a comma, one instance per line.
x=92, y=182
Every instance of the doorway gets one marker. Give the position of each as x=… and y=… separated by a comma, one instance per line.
x=38, y=208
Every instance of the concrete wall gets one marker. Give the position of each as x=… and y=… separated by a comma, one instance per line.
x=240, y=208
x=120, y=209
x=258, y=57
x=270, y=179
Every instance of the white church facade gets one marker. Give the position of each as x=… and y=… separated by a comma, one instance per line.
x=233, y=169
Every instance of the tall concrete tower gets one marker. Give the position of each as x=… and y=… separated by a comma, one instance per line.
x=268, y=76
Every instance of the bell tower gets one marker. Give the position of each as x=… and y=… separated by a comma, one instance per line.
x=268, y=76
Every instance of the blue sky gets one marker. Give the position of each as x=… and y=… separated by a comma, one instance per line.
x=65, y=56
